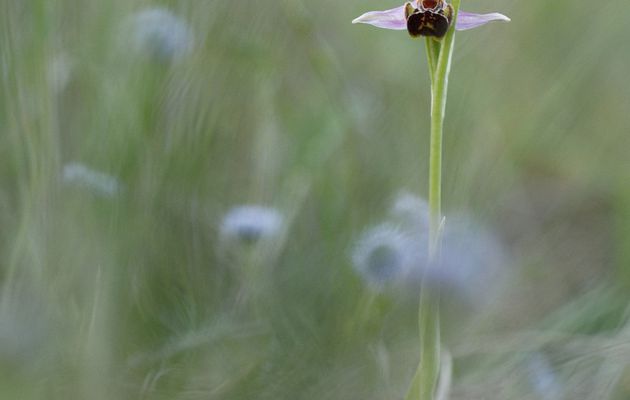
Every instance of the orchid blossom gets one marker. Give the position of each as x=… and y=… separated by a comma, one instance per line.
x=426, y=18
x=437, y=21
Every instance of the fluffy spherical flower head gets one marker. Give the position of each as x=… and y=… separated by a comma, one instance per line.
x=160, y=34
x=410, y=210
x=251, y=223
x=383, y=256
x=472, y=265
x=397, y=18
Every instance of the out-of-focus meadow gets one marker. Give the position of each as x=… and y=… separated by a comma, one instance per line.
x=129, y=134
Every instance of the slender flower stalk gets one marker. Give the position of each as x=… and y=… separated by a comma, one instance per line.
x=437, y=21
x=439, y=87
x=425, y=381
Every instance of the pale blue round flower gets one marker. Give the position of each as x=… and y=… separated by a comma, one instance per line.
x=161, y=35
x=383, y=256
x=471, y=266
x=410, y=211
x=251, y=223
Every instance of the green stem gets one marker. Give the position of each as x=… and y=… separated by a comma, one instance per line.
x=439, y=89
x=439, y=55
x=432, y=48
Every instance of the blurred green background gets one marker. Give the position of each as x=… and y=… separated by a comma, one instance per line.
x=131, y=295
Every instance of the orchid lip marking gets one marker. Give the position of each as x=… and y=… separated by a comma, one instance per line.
x=432, y=18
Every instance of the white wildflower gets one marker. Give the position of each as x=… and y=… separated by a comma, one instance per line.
x=384, y=256
x=410, y=210
x=251, y=223
x=471, y=264
x=161, y=35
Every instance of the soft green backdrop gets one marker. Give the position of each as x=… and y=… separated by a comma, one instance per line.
x=285, y=103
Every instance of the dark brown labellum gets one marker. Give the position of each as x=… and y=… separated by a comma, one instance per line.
x=428, y=23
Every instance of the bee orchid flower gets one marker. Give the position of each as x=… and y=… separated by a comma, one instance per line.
x=437, y=21
x=426, y=18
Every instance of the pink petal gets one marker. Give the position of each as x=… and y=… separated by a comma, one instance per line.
x=388, y=19
x=471, y=20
